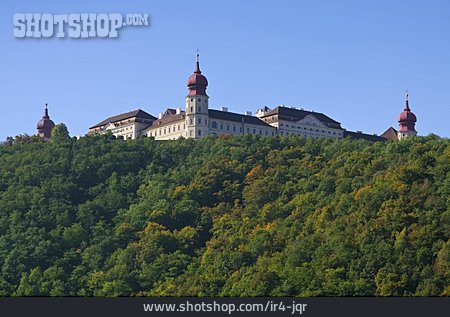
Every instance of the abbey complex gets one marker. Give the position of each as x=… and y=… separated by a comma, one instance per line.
x=198, y=121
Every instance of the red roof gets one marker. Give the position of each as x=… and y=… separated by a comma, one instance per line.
x=407, y=120
x=197, y=83
x=45, y=122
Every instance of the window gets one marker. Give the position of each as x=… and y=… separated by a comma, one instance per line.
x=169, y=129
x=199, y=100
x=199, y=120
x=190, y=132
x=199, y=109
x=178, y=127
x=234, y=128
x=254, y=131
x=164, y=130
x=248, y=130
x=199, y=132
x=240, y=129
x=214, y=125
x=221, y=126
x=228, y=127
x=191, y=121
x=273, y=133
x=206, y=121
x=192, y=99
x=267, y=132
x=260, y=132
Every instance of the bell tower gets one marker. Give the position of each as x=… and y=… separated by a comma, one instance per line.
x=407, y=122
x=197, y=115
x=45, y=126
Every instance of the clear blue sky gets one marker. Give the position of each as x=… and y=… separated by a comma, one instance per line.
x=352, y=60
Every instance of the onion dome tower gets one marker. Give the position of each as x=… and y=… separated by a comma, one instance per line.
x=197, y=83
x=197, y=112
x=407, y=122
x=45, y=126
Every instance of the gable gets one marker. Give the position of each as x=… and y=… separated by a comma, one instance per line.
x=311, y=120
x=110, y=126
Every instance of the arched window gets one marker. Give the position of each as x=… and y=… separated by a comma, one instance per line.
x=214, y=125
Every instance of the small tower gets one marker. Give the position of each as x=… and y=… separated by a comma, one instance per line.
x=45, y=126
x=407, y=122
x=197, y=114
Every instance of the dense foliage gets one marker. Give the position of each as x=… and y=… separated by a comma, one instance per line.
x=240, y=216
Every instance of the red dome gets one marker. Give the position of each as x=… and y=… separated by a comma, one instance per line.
x=407, y=120
x=45, y=125
x=197, y=79
x=407, y=116
x=197, y=83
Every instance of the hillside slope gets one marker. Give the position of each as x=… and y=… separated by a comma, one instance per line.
x=242, y=216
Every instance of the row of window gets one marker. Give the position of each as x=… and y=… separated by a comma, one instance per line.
x=307, y=134
x=199, y=108
x=124, y=129
x=261, y=132
x=198, y=99
x=220, y=126
x=315, y=130
x=214, y=125
x=167, y=130
x=199, y=121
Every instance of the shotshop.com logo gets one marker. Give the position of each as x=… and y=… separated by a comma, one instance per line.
x=75, y=25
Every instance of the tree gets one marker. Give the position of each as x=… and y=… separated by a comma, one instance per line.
x=60, y=133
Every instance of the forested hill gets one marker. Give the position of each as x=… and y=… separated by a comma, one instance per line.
x=241, y=216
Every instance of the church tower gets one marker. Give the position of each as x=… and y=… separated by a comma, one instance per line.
x=407, y=122
x=45, y=126
x=197, y=115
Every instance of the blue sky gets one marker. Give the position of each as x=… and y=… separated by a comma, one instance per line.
x=352, y=60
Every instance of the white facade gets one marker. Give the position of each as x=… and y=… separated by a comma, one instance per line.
x=170, y=131
x=197, y=116
x=126, y=131
x=404, y=134
x=130, y=125
x=199, y=124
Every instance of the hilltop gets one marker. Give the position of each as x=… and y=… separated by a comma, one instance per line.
x=225, y=216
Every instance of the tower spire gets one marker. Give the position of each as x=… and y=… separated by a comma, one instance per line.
x=45, y=125
x=197, y=68
x=407, y=121
x=407, y=102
